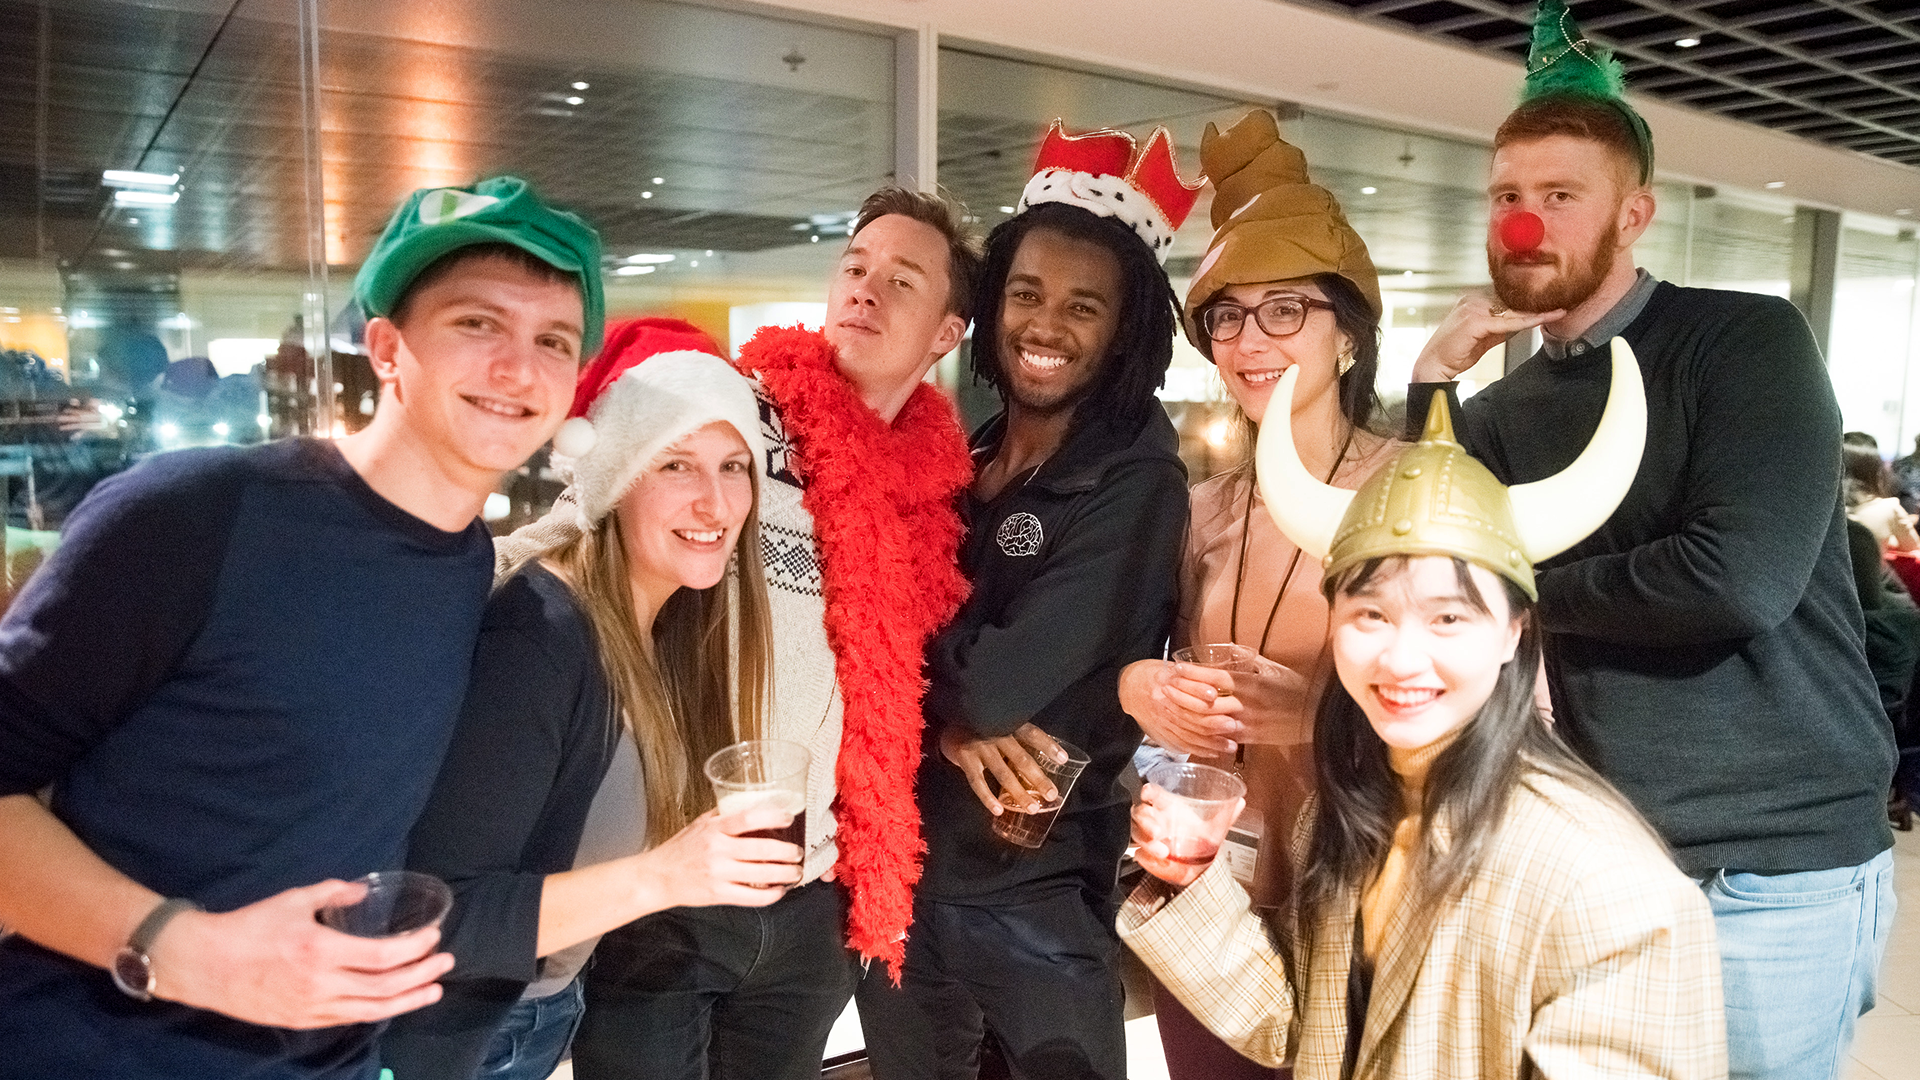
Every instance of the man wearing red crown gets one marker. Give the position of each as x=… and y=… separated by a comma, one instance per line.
x=859, y=536
x=1074, y=527
x=1705, y=647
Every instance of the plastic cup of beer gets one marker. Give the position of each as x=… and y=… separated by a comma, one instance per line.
x=1198, y=809
x=397, y=902
x=764, y=772
x=1225, y=656
x=1062, y=762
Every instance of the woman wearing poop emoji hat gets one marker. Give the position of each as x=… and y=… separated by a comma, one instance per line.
x=1472, y=899
x=1286, y=285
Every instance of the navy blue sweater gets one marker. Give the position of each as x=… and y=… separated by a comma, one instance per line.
x=238, y=675
x=1705, y=646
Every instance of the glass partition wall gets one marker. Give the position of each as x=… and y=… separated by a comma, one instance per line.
x=188, y=186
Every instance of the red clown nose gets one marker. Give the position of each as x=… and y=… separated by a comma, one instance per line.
x=1522, y=231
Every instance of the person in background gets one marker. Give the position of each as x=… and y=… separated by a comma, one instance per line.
x=1906, y=479
x=1868, y=487
x=1073, y=536
x=572, y=800
x=1704, y=647
x=1286, y=285
x=1473, y=899
x=239, y=672
x=863, y=466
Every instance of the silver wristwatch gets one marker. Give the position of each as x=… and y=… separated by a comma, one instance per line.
x=132, y=968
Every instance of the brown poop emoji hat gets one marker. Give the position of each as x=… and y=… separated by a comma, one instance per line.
x=1270, y=222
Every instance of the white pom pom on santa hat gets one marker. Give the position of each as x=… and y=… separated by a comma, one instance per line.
x=575, y=438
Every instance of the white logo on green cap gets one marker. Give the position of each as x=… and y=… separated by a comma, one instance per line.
x=449, y=204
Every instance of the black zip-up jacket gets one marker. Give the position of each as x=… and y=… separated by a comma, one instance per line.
x=1074, y=577
x=1705, y=646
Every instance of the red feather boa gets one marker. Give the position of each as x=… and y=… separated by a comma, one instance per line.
x=883, y=501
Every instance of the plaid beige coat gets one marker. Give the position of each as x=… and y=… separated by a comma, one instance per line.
x=1577, y=950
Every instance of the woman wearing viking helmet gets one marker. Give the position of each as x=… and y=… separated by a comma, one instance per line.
x=1473, y=900
x=1286, y=285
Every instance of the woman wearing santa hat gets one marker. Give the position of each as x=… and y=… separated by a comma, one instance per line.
x=572, y=799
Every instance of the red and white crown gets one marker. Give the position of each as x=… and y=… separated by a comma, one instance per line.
x=1098, y=171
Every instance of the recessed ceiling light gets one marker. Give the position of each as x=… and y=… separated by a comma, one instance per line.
x=579, y=86
x=709, y=252
x=1006, y=209
x=646, y=194
x=815, y=238
x=145, y=198
x=1686, y=42
x=130, y=178
x=1368, y=190
x=659, y=179
x=629, y=271
x=1775, y=185
x=576, y=101
x=1406, y=273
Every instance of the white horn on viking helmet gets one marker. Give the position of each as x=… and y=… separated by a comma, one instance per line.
x=1306, y=509
x=1558, y=512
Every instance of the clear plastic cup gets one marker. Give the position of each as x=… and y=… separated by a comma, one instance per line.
x=1224, y=655
x=1063, y=763
x=762, y=772
x=397, y=902
x=1198, y=810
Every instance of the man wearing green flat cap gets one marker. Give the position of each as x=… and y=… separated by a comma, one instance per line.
x=226, y=694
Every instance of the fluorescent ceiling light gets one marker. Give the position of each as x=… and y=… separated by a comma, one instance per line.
x=1775, y=185
x=579, y=86
x=629, y=271
x=1368, y=190
x=1687, y=42
x=130, y=178
x=645, y=258
x=145, y=198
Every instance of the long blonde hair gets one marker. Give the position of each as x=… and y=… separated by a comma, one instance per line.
x=697, y=683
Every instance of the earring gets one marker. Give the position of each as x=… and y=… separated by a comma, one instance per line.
x=1346, y=361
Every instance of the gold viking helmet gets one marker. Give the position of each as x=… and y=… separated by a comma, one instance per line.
x=1434, y=499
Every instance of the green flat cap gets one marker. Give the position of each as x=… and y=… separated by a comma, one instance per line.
x=504, y=210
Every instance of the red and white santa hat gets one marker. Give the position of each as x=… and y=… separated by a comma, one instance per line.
x=1099, y=171
x=656, y=381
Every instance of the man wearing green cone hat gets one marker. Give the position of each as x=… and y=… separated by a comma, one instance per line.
x=238, y=675
x=1705, y=646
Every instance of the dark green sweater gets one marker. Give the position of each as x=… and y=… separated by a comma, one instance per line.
x=1705, y=647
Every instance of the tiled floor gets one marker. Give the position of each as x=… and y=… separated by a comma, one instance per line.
x=1888, y=1044
x=1886, y=1048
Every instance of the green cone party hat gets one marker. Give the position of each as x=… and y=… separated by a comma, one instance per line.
x=1561, y=62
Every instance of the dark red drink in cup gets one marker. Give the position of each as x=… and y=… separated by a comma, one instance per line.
x=764, y=772
x=1062, y=762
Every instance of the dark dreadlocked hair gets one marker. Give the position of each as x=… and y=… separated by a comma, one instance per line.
x=1149, y=315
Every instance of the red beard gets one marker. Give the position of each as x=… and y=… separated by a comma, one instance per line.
x=1574, y=281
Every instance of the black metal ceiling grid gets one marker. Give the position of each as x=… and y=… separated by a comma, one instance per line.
x=1841, y=72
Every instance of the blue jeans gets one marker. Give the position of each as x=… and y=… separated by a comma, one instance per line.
x=1799, y=960
x=533, y=1038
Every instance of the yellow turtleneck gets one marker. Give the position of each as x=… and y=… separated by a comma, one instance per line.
x=1383, y=894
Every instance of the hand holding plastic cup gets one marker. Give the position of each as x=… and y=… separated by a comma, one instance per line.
x=1197, y=805
x=1062, y=762
x=397, y=902
x=764, y=772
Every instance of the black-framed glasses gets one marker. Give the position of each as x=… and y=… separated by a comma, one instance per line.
x=1281, y=316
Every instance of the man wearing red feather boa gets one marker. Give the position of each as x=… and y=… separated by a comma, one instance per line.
x=860, y=533
x=1075, y=522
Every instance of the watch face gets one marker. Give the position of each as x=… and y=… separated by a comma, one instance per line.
x=133, y=973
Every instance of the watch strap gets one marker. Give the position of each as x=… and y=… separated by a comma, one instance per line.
x=149, y=929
